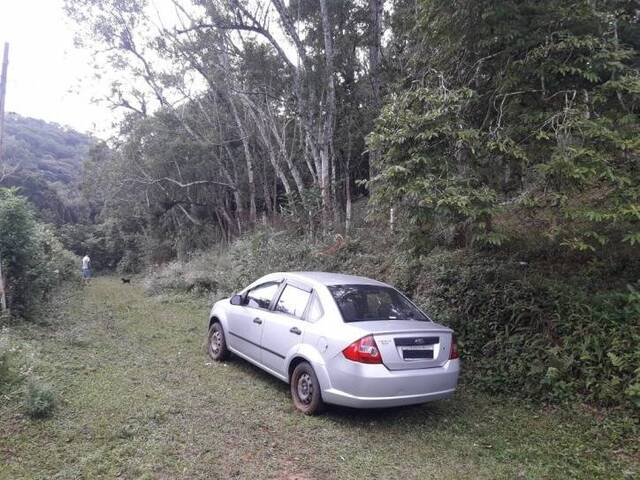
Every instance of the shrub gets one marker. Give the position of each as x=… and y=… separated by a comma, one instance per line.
x=17, y=231
x=52, y=263
x=33, y=259
x=7, y=373
x=39, y=400
x=528, y=331
x=131, y=262
x=221, y=272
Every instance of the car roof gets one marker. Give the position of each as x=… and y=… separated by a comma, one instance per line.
x=328, y=278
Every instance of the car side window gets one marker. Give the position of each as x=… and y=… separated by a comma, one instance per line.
x=315, y=312
x=261, y=296
x=293, y=301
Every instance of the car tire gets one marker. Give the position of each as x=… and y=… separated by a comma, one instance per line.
x=305, y=390
x=217, y=343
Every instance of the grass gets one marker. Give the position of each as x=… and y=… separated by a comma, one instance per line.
x=138, y=398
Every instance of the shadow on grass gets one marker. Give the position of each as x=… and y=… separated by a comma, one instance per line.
x=257, y=374
x=427, y=414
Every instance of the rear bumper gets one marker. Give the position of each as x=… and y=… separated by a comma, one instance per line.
x=342, y=398
x=373, y=386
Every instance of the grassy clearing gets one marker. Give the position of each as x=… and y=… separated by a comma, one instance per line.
x=137, y=398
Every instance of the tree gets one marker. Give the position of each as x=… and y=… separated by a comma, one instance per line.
x=32, y=259
x=516, y=104
x=288, y=76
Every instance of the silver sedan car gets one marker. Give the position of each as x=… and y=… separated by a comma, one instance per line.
x=337, y=339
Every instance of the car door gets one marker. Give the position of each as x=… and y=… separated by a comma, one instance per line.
x=284, y=327
x=246, y=320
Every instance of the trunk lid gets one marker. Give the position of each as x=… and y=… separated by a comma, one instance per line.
x=410, y=344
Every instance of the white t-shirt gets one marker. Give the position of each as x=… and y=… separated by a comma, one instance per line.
x=85, y=262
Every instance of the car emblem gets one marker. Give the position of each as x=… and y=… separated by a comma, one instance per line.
x=418, y=341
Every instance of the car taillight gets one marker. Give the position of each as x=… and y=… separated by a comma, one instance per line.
x=364, y=350
x=453, y=352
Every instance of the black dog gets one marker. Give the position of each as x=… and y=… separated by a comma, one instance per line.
x=126, y=280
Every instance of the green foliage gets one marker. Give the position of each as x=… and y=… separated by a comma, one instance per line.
x=428, y=149
x=39, y=400
x=17, y=245
x=33, y=259
x=52, y=263
x=15, y=360
x=49, y=159
x=511, y=100
x=527, y=332
x=109, y=244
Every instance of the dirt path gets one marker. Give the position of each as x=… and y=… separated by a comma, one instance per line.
x=139, y=399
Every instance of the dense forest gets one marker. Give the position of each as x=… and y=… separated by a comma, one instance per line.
x=44, y=160
x=450, y=113
x=483, y=155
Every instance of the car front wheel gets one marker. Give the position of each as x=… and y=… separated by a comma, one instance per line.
x=305, y=390
x=217, y=344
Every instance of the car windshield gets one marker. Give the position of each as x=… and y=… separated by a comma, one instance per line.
x=361, y=303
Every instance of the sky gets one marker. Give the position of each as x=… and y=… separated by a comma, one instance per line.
x=48, y=77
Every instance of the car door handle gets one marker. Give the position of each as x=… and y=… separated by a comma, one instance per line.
x=295, y=330
x=257, y=320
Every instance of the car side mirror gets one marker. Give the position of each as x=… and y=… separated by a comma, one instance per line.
x=236, y=300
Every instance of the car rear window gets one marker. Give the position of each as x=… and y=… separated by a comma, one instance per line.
x=362, y=303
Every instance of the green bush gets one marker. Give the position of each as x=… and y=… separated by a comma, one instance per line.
x=52, y=263
x=527, y=331
x=33, y=259
x=39, y=401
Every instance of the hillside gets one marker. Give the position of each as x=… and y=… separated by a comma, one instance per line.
x=49, y=159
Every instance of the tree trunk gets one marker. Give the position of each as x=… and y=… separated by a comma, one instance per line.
x=238, y=196
x=375, y=56
x=327, y=128
x=3, y=297
x=3, y=92
x=249, y=161
x=293, y=169
x=265, y=189
x=260, y=125
x=375, y=49
x=347, y=212
x=334, y=190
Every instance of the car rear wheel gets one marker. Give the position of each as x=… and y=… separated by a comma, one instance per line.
x=305, y=390
x=217, y=344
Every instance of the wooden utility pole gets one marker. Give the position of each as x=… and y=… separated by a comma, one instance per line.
x=3, y=296
x=3, y=92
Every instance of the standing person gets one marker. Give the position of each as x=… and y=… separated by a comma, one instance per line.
x=86, y=268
